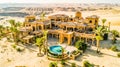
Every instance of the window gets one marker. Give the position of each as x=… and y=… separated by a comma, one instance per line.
x=95, y=21
x=90, y=21
x=58, y=19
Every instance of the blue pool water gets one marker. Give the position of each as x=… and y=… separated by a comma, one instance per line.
x=56, y=49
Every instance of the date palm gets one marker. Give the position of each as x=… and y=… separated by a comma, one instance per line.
x=39, y=43
x=42, y=42
x=14, y=34
x=115, y=33
x=14, y=30
x=45, y=32
x=103, y=22
x=99, y=36
x=99, y=31
x=43, y=16
x=1, y=29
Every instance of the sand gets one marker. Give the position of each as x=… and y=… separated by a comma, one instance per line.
x=29, y=56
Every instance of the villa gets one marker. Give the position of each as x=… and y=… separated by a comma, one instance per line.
x=63, y=26
x=60, y=37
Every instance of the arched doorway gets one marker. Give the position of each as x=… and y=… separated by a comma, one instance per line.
x=33, y=28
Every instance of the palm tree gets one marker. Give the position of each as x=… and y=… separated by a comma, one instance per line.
x=100, y=31
x=42, y=42
x=62, y=52
x=103, y=22
x=43, y=16
x=15, y=33
x=39, y=43
x=15, y=24
x=14, y=30
x=7, y=28
x=45, y=32
x=115, y=33
x=1, y=29
x=12, y=22
x=109, y=25
x=98, y=38
x=99, y=35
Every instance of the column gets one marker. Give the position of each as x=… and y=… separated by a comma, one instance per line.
x=61, y=38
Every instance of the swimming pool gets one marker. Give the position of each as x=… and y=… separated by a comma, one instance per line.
x=56, y=49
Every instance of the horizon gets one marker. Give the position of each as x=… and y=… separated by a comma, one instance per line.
x=59, y=1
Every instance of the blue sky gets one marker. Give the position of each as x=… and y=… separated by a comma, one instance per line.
x=59, y=1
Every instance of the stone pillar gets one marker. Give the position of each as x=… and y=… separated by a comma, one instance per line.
x=66, y=28
x=69, y=40
x=92, y=41
x=42, y=26
x=61, y=38
x=50, y=25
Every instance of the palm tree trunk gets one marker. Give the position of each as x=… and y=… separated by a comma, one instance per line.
x=114, y=39
x=98, y=45
x=45, y=47
x=39, y=49
x=15, y=38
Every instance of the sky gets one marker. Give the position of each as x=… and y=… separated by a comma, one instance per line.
x=59, y=1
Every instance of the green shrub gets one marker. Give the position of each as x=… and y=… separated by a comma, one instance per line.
x=80, y=45
x=115, y=34
x=87, y=64
x=20, y=49
x=113, y=48
x=118, y=54
x=9, y=60
x=73, y=64
x=76, y=52
x=63, y=62
x=53, y=64
x=14, y=46
x=0, y=38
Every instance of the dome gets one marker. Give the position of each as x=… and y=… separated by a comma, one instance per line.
x=78, y=14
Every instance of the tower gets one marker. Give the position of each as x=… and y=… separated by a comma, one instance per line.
x=78, y=15
x=92, y=20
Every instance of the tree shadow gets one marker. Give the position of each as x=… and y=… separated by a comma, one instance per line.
x=86, y=54
x=93, y=52
x=30, y=47
x=80, y=57
x=109, y=55
x=105, y=44
x=68, y=64
x=108, y=43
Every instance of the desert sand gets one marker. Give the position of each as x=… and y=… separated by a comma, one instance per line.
x=9, y=57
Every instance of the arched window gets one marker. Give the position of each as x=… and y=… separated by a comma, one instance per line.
x=33, y=28
x=58, y=19
x=96, y=22
x=90, y=21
